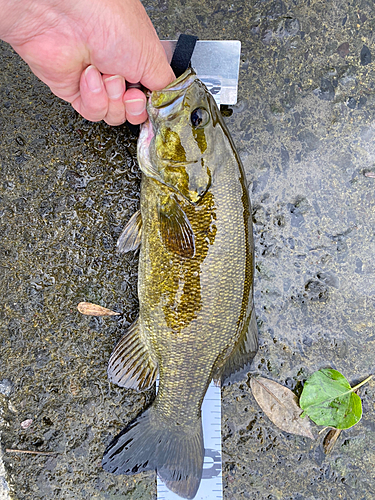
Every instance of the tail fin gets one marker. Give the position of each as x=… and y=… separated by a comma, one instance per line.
x=149, y=442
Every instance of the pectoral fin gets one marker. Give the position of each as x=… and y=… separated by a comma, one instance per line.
x=176, y=231
x=130, y=238
x=239, y=360
x=131, y=364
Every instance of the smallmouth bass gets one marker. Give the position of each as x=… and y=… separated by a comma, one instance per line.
x=195, y=283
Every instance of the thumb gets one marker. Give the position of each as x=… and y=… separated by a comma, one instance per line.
x=158, y=72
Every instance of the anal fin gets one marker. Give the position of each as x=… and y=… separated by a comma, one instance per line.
x=130, y=238
x=239, y=360
x=131, y=364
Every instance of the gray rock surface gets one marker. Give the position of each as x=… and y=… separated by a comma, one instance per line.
x=305, y=129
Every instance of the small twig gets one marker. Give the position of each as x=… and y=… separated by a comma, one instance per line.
x=8, y=450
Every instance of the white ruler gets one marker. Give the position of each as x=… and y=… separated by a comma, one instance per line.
x=211, y=487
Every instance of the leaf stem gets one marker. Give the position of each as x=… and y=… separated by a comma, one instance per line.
x=362, y=383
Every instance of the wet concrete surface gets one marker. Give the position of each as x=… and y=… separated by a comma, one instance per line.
x=305, y=129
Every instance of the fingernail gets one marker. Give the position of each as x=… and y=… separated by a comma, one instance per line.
x=135, y=107
x=93, y=79
x=115, y=86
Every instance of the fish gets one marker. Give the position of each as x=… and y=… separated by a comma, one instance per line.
x=195, y=284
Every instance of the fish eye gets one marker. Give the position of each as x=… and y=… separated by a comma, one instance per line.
x=199, y=118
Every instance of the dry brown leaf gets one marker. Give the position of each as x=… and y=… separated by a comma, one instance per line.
x=330, y=440
x=280, y=405
x=94, y=310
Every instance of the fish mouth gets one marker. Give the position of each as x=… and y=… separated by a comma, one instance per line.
x=182, y=82
x=169, y=95
x=173, y=91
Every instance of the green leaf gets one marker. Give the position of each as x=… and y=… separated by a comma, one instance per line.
x=328, y=399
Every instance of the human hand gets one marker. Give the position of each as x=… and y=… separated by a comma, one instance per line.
x=86, y=51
